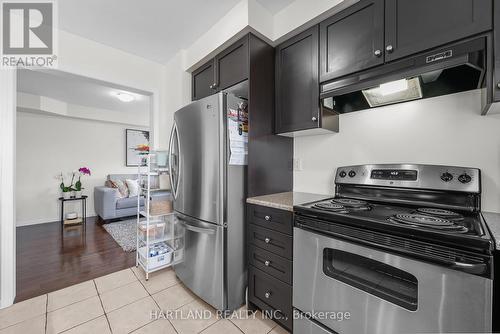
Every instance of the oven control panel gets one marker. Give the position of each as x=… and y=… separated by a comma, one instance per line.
x=394, y=174
x=412, y=176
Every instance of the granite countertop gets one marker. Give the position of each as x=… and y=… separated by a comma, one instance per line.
x=493, y=221
x=286, y=201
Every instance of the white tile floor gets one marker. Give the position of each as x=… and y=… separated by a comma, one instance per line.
x=122, y=302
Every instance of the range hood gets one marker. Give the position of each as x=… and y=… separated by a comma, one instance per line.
x=456, y=68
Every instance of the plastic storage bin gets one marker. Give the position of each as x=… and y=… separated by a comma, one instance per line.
x=158, y=256
x=156, y=230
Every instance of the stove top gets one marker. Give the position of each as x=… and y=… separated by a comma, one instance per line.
x=442, y=226
x=342, y=205
x=426, y=221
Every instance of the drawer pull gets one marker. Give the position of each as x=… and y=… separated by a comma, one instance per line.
x=267, y=263
x=267, y=240
x=267, y=294
x=268, y=218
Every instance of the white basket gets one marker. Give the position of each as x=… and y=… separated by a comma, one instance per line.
x=155, y=261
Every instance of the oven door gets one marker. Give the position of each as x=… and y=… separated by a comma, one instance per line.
x=303, y=325
x=382, y=293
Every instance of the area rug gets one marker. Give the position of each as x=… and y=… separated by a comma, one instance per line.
x=124, y=233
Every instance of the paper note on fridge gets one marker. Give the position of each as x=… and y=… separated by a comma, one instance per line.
x=238, y=159
x=238, y=144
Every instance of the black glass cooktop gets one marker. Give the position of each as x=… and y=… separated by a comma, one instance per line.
x=439, y=225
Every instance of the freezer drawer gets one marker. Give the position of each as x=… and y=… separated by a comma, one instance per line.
x=203, y=266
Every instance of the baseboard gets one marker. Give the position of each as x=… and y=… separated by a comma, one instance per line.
x=43, y=221
x=5, y=303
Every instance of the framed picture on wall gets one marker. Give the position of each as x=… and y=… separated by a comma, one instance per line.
x=134, y=138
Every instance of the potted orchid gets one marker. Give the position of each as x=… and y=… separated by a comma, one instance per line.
x=66, y=189
x=78, y=184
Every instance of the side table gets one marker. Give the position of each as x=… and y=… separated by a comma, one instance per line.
x=83, y=199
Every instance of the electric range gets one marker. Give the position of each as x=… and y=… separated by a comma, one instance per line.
x=404, y=242
x=465, y=230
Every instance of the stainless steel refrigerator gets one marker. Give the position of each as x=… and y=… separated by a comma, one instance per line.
x=209, y=196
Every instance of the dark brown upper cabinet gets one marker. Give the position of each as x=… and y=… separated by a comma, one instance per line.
x=297, y=84
x=202, y=81
x=352, y=40
x=231, y=65
x=225, y=70
x=413, y=26
x=496, y=60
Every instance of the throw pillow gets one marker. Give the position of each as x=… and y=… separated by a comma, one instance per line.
x=112, y=184
x=122, y=188
x=133, y=187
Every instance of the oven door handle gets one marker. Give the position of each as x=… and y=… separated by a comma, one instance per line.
x=471, y=268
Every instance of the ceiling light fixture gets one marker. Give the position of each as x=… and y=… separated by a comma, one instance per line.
x=124, y=97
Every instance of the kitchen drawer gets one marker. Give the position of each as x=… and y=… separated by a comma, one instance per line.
x=272, y=241
x=275, y=219
x=271, y=294
x=270, y=263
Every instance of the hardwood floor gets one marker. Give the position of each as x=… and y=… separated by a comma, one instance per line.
x=46, y=262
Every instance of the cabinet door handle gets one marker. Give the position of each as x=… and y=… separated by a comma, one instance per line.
x=267, y=263
x=268, y=218
x=389, y=48
x=267, y=294
x=267, y=240
x=314, y=119
x=378, y=53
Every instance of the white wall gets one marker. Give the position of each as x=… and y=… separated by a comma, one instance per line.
x=81, y=56
x=446, y=130
x=302, y=12
x=84, y=57
x=48, y=145
x=36, y=133
x=177, y=86
x=46, y=105
x=217, y=35
x=250, y=15
x=7, y=187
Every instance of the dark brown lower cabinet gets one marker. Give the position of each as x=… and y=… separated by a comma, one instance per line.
x=272, y=296
x=270, y=270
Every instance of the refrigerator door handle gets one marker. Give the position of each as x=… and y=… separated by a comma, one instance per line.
x=170, y=171
x=188, y=222
x=174, y=185
x=197, y=229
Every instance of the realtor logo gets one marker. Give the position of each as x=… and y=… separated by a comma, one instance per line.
x=28, y=34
